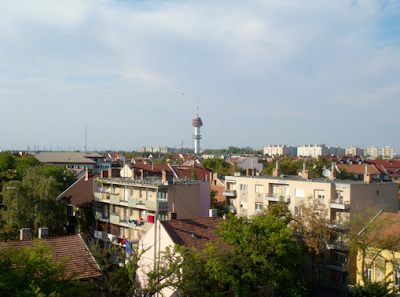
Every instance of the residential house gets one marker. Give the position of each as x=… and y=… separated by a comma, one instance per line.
x=358, y=171
x=250, y=195
x=382, y=265
x=126, y=208
x=247, y=162
x=190, y=233
x=77, y=196
x=76, y=160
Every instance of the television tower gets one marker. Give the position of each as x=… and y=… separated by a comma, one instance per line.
x=197, y=123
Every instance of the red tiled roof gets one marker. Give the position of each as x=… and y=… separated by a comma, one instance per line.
x=72, y=248
x=388, y=229
x=359, y=169
x=80, y=192
x=193, y=233
x=186, y=171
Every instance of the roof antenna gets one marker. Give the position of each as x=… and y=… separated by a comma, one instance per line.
x=197, y=106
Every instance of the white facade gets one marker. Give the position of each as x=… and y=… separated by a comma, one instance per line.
x=354, y=151
x=387, y=152
x=373, y=151
x=280, y=150
x=313, y=151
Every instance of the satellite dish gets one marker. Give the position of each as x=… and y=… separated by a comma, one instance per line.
x=326, y=172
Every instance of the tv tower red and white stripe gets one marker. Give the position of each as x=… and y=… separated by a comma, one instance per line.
x=197, y=123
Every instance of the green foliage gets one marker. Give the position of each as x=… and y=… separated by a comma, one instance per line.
x=31, y=203
x=215, y=205
x=263, y=253
x=221, y=166
x=30, y=271
x=287, y=166
x=343, y=174
x=194, y=175
x=280, y=211
x=116, y=280
x=7, y=161
x=372, y=289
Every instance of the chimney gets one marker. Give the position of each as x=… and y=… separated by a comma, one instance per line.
x=332, y=175
x=87, y=175
x=305, y=174
x=24, y=234
x=276, y=171
x=213, y=213
x=43, y=232
x=141, y=173
x=367, y=176
x=248, y=172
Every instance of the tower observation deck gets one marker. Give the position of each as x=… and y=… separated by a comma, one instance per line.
x=197, y=123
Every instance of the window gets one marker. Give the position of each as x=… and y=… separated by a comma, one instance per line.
x=319, y=194
x=259, y=206
x=244, y=187
x=318, y=273
x=299, y=192
x=396, y=275
x=368, y=273
x=297, y=211
x=259, y=189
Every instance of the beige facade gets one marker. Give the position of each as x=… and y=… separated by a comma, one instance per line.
x=128, y=208
x=249, y=195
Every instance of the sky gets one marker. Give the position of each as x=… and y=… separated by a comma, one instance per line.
x=124, y=74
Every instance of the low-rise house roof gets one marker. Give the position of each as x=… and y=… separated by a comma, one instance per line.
x=71, y=248
x=193, y=233
x=79, y=193
x=67, y=157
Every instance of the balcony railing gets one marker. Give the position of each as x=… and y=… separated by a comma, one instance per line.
x=101, y=216
x=229, y=193
x=339, y=225
x=339, y=204
x=114, y=198
x=114, y=218
x=277, y=197
x=338, y=265
x=98, y=196
x=231, y=209
x=156, y=205
x=338, y=244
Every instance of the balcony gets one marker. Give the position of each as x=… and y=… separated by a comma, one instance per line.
x=101, y=216
x=114, y=218
x=277, y=197
x=231, y=209
x=114, y=198
x=340, y=245
x=341, y=266
x=339, y=225
x=229, y=193
x=156, y=205
x=339, y=204
x=98, y=196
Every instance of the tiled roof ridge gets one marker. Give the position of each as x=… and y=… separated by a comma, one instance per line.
x=47, y=237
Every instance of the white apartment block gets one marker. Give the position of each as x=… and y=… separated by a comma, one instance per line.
x=280, y=150
x=373, y=151
x=250, y=195
x=313, y=151
x=354, y=151
x=387, y=152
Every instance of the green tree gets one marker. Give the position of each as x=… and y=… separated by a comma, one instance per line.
x=7, y=161
x=194, y=175
x=31, y=271
x=31, y=203
x=262, y=252
x=372, y=289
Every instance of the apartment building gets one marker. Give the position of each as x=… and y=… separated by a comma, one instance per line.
x=313, y=151
x=249, y=195
x=354, y=151
x=126, y=208
x=387, y=152
x=280, y=150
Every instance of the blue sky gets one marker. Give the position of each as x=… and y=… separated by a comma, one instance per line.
x=266, y=72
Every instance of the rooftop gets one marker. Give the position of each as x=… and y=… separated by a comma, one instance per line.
x=72, y=248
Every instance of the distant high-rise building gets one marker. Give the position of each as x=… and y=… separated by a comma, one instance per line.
x=373, y=152
x=197, y=123
x=354, y=151
x=387, y=152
